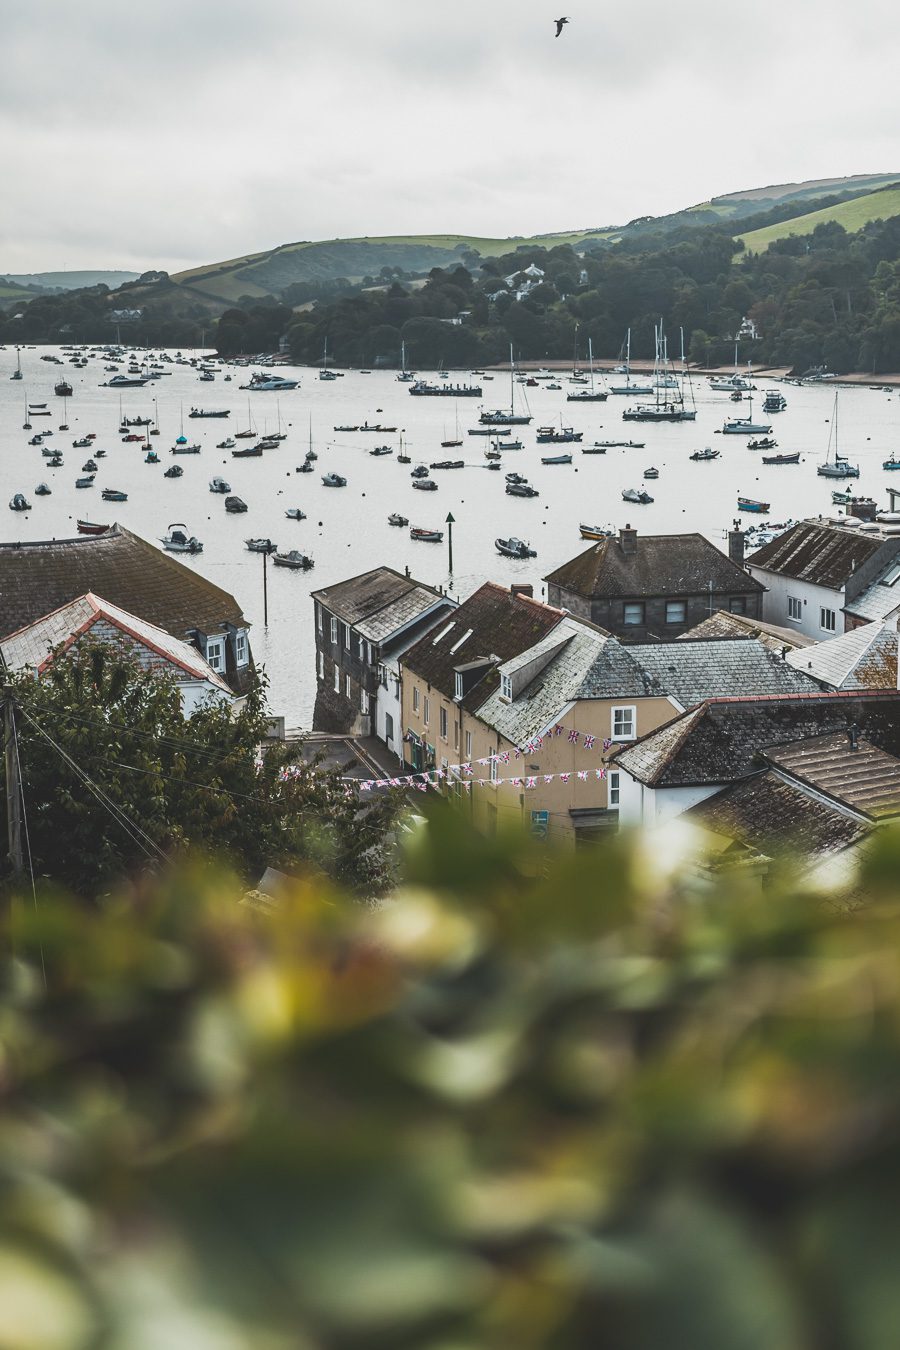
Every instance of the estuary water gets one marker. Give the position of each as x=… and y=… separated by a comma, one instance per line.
x=347, y=530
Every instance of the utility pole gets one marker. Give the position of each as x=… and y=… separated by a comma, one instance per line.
x=450, y=523
x=13, y=785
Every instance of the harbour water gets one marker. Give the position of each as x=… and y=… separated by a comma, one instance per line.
x=347, y=530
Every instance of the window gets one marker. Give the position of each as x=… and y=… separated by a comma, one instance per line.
x=455, y=734
x=890, y=577
x=319, y=617
x=388, y=727
x=506, y=688
x=215, y=653
x=738, y=604
x=468, y=745
x=370, y=653
x=494, y=774
x=633, y=613
x=362, y=648
x=623, y=724
x=415, y=698
x=795, y=608
x=347, y=636
x=458, y=685
x=321, y=665
x=612, y=789
x=676, y=611
x=337, y=679
x=348, y=687
x=827, y=620
x=443, y=721
x=241, y=653
x=426, y=715
x=364, y=702
x=334, y=630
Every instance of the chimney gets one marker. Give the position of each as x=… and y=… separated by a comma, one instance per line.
x=853, y=733
x=628, y=540
x=522, y=588
x=736, y=546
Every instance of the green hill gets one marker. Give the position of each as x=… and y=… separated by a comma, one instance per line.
x=852, y=215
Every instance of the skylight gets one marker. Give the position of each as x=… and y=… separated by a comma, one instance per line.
x=890, y=577
x=459, y=642
x=443, y=633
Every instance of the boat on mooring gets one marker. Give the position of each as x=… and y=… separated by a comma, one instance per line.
x=514, y=548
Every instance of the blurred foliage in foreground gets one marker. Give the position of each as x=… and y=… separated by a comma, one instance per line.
x=529, y=1103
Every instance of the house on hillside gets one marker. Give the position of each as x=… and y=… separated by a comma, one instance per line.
x=864, y=658
x=641, y=586
x=363, y=626
x=38, y=578
x=813, y=573
x=91, y=619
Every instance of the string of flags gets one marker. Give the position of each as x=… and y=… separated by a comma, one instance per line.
x=433, y=778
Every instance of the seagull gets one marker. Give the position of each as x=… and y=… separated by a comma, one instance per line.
x=560, y=25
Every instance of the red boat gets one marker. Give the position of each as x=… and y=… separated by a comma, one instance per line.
x=86, y=527
x=132, y=436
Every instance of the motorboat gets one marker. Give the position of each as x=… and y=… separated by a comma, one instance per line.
x=235, y=506
x=514, y=548
x=556, y=459
x=305, y=467
x=295, y=560
x=125, y=382
x=763, y=443
x=219, y=485
x=173, y=471
x=86, y=482
x=420, y=471
x=745, y=426
x=521, y=489
x=651, y=473
x=750, y=504
x=114, y=495
x=294, y=513
x=782, y=459
x=151, y=457
x=184, y=449
x=251, y=452
x=42, y=490
x=210, y=412
x=382, y=450
x=89, y=527
x=396, y=519
x=63, y=389
x=260, y=383
x=228, y=444
x=334, y=480
x=89, y=466
x=701, y=456
x=426, y=536
x=557, y=436
x=596, y=532
x=425, y=484
x=83, y=444
x=489, y=431
x=177, y=540
x=449, y=464
x=636, y=495
x=892, y=463
x=19, y=503
x=621, y=445
x=774, y=401
x=260, y=546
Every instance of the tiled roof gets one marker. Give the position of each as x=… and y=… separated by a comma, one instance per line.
x=720, y=740
x=770, y=816
x=825, y=555
x=864, y=779
x=553, y=687
x=719, y=668
x=864, y=658
x=722, y=625
x=33, y=646
x=377, y=603
x=880, y=598
x=662, y=564
x=491, y=623
x=36, y=578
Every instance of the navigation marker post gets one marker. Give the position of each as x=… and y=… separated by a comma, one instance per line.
x=450, y=522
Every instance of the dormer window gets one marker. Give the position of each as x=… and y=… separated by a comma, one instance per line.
x=506, y=688
x=241, y=654
x=458, y=685
x=215, y=653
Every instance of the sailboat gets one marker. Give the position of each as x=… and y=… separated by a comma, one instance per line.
x=447, y=445
x=325, y=373
x=502, y=416
x=669, y=404
x=404, y=376
x=590, y=395
x=245, y=435
x=629, y=387
x=745, y=426
x=727, y=384
x=17, y=373
x=836, y=466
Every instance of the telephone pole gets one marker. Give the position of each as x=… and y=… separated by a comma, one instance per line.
x=13, y=785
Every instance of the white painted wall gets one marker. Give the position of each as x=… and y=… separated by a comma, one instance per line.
x=812, y=598
x=387, y=704
x=640, y=805
x=196, y=693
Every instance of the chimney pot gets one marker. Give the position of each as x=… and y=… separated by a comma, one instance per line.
x=522, y=588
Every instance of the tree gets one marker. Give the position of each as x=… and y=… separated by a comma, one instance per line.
x=168, y=784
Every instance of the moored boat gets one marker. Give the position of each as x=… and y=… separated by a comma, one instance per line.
x=219, y=485
x=173, y=471
x=89, y=527
x=295, y=560
x=260, y=545
x=751, y=504
x=793, y=458
x=426, y=536
x=396, y=519
x=636, y=495
x=333, y=480
x=596, y=532
x=19, y=502
x=556, y=459
x=235, y=506
x=704, y=455
x=521, y=489
x=177, y=540
x=294, y=513
x=114, y=495
x=514, y=548
x=425, y=484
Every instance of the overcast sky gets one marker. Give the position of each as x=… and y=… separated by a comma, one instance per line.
x=166, y=134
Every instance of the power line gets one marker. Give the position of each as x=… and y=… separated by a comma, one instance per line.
x=27, y=838
x=172, y=741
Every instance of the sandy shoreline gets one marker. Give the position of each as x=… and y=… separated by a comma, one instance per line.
x=604, y=366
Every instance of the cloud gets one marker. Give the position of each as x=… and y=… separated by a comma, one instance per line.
x=178, y=133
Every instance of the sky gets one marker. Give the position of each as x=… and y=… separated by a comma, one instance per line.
x=183, y=132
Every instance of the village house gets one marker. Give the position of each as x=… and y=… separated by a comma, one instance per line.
x=877, y=602
x=725, y=625
x=813, y=573
x=641, y=586
x=863, y=658
x=38, y=578
x=92, y=619
x=362, y=627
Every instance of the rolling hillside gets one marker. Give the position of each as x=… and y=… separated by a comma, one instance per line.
x=852, y=215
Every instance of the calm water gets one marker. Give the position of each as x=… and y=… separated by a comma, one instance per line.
x=347, y=530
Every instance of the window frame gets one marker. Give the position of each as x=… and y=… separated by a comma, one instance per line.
x=337, y=679
x=638, y=605
x=426, y=711
x=468, y=745
x=334, y=631
x=631, y=709
x=795, y=600
x=215, y=654
x=457, y=684
x=613, y=788
x=826, y=627
x=348, y=688
x=443, y=723
x=740, y=601
x=241, y=648
x=506, y=688
x=682, y=604
x=415, y=698
x=319, y=620
x=320, y=662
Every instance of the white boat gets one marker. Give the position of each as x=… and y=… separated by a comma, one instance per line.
x=630, y=386
x=835, y=466
x=295, y=560
x=177, y=540
x=219, y=485
x=333, y=480
x=260, y=383
x=669, y=405
x=514, y=548
x=500, y=416
x=325, y=373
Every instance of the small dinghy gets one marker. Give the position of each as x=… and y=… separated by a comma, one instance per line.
x=420, y=471
x=785, y=459
x=750, y=504
x=382, y=450
x=334, y=480
x=19, y=503
x=425, y=484
x=114, y=495
x=521, y=488
x=88, y=527
x=701, y=456
x=86, y=482
x=294, y=513
x=252, y=452
x=449, y=464
x=42, y=490
x=426, y=536
x=514, y=548
x=177, y=540
x=637, y=495
x=173, y=471
x=556, y=459
x=228, y=444
x=762, y=443
x=151, y=457
x=295, y=560
x=396, y=519
x=235, y=506
x=219, y=485
x=261, y=546
x=651, y=473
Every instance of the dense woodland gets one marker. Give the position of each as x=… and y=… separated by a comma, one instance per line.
x=829, y=298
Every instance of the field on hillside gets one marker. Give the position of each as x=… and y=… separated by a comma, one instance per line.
x=852, y=215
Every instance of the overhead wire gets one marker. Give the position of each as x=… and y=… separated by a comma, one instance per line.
x=15, y=738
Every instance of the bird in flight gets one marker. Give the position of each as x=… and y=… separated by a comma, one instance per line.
x=560, y=25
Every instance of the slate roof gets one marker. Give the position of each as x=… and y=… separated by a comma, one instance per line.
x=722, y=625
x=491, y=623
x=864, y=658
x=33, y=646
x=719, y=668
x=770, y=816
x=662, y=564
x=377, y=603
x=720, y=740
x=36, y=578
x=825, y=555
x=880, y=598
x=553, y=688
x=866, y=779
